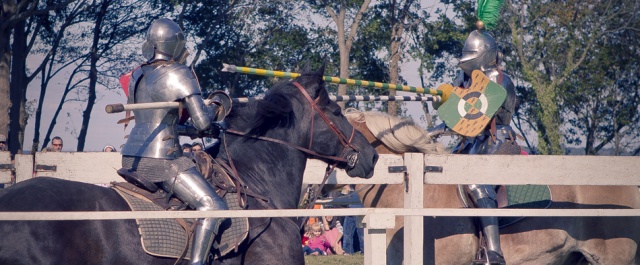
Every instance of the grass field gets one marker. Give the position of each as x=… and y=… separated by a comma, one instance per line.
x=356, y=259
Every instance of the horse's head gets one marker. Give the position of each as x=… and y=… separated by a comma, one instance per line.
x=323, y=131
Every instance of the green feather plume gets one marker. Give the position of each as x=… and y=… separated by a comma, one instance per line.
x=489, y=12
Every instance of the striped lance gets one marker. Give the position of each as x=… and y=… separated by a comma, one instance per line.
x=117, y=108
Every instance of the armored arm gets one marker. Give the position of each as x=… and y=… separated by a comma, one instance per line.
x=201, y=115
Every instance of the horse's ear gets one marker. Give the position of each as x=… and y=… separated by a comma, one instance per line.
x=321, y=70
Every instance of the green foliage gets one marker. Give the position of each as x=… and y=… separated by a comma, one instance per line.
x=604, y=109
x=558, y=51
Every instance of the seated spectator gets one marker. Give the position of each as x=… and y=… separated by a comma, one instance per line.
x=109, y=148
x=3, y=142
x=305, y=236
x=196, y=147
x=186, y=148
x=333, y=232
x=56, y=144
x=317, y=243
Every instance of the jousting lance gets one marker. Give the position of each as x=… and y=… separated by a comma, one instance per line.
x=336, y=80
x=117, y=107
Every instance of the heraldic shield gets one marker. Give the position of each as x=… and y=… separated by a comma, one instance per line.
x=468, y=111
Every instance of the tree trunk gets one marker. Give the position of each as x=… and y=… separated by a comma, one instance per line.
x=5, y=73
x=93, y=75
x=345, y=41
x=18, y=86
x=394, y=71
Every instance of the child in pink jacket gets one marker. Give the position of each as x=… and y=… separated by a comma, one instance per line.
x=317, y=243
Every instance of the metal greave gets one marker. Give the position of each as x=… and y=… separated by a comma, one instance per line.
x=483, y=196
x=190, y=187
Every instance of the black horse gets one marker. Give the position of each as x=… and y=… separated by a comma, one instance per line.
x=268, y=141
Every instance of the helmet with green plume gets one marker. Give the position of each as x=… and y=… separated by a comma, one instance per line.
x=480, y=51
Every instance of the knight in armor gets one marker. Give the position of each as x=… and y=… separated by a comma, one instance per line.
x=480, y=52
x=153, y=150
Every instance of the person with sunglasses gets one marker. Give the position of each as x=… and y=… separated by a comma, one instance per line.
x=56, y=144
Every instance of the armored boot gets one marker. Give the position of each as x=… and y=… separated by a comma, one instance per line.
x=190, y=187
x=484, y=197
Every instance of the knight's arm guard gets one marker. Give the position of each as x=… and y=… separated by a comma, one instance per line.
x=201, y=115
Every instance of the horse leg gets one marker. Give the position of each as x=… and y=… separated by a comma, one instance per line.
x=449, y=240
x=540, y=240
x=268, y=239
x=609, y=240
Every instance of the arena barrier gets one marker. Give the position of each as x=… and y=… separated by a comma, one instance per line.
x=411, y=169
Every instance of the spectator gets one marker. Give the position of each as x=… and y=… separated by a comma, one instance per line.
x=333, y=232
x=3, y=142
x=3, y=147
x=196, y=147
x=351, y=229
x=186, y=148
x=317, y=243
x=305, y=236
x=56, y=144
x=109, y=148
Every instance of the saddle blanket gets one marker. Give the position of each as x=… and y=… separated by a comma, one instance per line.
x=168, y=238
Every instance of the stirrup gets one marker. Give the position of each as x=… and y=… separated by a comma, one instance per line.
x=488, y=257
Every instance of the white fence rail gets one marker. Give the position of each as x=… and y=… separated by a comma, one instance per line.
x=99, y=168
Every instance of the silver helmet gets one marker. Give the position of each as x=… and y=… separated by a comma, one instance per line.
x=480, y=52
x=165, y=41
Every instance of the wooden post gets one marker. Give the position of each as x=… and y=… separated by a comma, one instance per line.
x=5, y=167
x=413, y=199
x=375, y=234
x=90, y=167
x=24, y=167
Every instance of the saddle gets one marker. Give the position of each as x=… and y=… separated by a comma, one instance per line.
x=514, y=196
x=172, y=237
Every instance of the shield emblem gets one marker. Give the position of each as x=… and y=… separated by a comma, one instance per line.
x=468, y=111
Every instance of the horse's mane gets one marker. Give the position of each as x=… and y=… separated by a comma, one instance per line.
x=400, y=135
x=276, y=110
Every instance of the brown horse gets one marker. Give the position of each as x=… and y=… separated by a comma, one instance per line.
x=534, y=240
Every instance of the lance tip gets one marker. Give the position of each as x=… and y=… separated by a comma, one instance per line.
x=228, y=68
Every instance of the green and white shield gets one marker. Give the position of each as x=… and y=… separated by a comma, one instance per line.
x=468, y=111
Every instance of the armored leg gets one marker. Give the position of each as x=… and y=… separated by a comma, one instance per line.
x=484, y=196
x=190, y=187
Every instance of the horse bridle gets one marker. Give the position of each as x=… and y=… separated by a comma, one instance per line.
x=350, y=160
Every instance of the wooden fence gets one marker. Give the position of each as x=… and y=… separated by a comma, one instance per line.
x=412, y=170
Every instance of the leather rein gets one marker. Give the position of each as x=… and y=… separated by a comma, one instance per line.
x=350, y=160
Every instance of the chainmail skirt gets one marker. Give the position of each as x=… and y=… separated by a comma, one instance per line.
x=156, y=169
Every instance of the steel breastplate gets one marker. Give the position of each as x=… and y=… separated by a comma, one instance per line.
x=155, y=134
